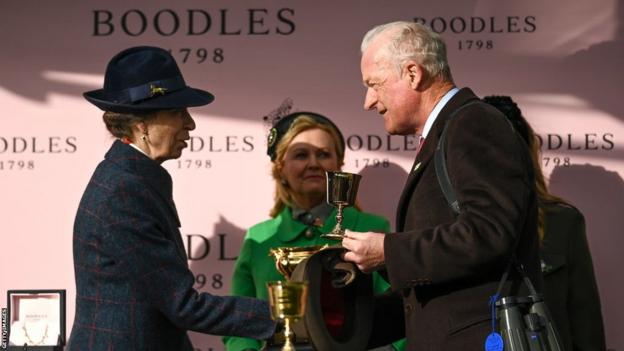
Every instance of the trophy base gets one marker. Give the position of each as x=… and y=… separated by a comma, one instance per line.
x=333, y=236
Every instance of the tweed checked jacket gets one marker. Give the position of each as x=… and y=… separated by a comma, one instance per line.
x=134, y=290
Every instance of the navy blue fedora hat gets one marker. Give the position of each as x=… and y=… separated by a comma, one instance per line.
x=144, y=79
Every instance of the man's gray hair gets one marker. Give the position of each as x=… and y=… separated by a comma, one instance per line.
x=412, y=41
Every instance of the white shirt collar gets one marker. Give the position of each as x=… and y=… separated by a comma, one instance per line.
x=138, y=148
x=436, y=110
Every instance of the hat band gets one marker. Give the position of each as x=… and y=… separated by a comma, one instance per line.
x=151, y=89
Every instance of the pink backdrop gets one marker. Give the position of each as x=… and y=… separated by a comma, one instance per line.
x=560, y=60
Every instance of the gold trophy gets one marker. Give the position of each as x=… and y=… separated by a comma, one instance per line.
x=288, y=301
x=287, y=258
x=341, y=192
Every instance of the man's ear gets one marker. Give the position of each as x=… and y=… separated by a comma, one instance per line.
x=414, y=74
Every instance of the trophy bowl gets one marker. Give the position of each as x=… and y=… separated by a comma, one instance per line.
x=287, y=300
x=341, y=192
x=287, y=258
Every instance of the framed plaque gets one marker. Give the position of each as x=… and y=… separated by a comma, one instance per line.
x=36, y=319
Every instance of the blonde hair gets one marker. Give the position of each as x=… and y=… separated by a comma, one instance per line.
x=543, y=195
x=283, y=193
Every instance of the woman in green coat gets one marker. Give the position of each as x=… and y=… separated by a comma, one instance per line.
x=302, y=146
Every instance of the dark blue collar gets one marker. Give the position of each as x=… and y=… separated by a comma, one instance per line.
x=155, y=176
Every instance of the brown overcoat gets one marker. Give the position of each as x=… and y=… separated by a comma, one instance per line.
x=447, y=266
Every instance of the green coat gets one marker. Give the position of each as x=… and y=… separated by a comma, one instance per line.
x=254, y=267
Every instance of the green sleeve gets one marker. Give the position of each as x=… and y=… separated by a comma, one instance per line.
x=399, y=345
x=239, y=344
x=243, y=285
x=386, y=226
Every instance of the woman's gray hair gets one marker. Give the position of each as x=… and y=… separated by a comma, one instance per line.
x=120, y=124
x=412, y=41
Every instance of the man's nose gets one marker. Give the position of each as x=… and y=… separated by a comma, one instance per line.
x=370, y=100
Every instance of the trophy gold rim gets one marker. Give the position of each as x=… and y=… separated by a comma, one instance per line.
x=288, y=257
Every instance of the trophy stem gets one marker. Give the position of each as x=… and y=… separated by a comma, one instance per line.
x=339, y=218
x=338, y=228
x=338, y=232
x=288, y=334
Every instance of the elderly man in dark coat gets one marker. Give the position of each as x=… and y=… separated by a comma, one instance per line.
x=445, y=266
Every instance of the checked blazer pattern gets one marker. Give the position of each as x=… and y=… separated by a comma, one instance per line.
x=134, y=290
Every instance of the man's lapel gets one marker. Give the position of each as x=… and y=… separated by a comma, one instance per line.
x=425, y=155
x=420, y=164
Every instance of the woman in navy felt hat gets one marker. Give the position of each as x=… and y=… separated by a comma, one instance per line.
x=134, y=290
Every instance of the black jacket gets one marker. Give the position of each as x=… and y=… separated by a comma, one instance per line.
x=570, y=287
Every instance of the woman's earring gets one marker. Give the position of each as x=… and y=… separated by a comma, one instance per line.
x=144, y=137
x=283, y=182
